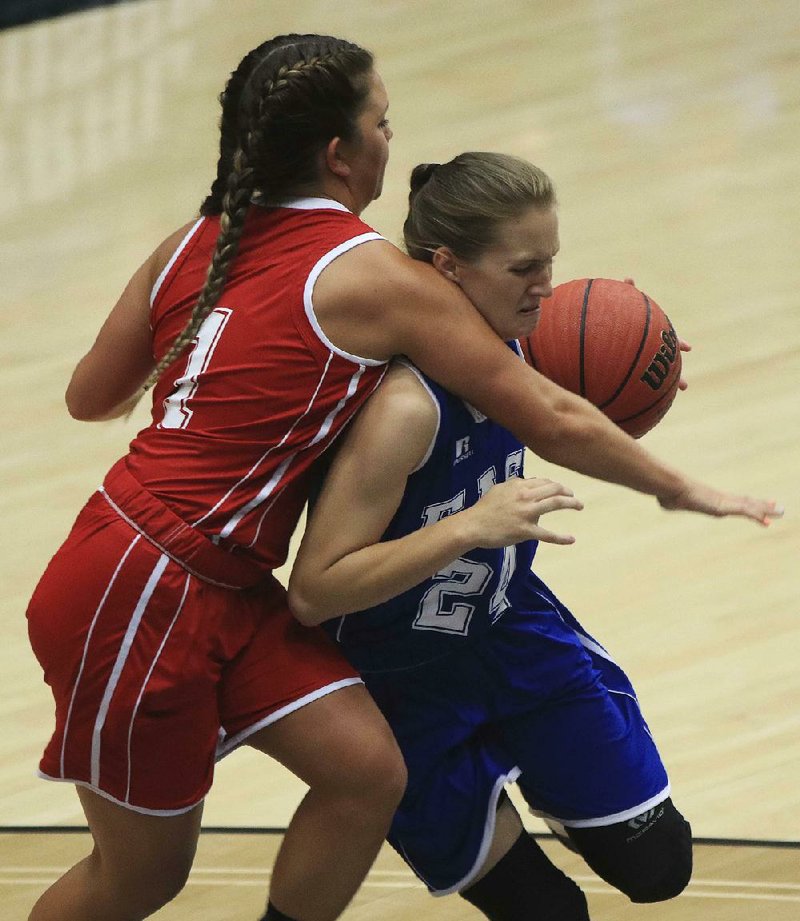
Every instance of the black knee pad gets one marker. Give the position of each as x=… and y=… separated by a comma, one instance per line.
x=524, y=884
x=649, y=857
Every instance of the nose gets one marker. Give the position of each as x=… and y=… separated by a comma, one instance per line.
x=541, y=286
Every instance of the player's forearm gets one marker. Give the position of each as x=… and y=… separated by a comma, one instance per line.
x=586, y=441
x=378, y=572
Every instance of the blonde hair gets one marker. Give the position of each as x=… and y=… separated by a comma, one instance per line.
x=460, y=204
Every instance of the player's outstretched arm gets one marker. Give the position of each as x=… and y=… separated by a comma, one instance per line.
x=410, y=309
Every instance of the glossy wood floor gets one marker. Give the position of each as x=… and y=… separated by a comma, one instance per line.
x=231, y=874
x=672, y=132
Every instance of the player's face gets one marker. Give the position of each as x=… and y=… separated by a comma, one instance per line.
x=370, y=150
x=507, y=282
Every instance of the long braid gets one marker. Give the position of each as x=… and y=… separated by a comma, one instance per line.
x=281, y=106
x=229, y=122
x=234, y=210
x=330, y=54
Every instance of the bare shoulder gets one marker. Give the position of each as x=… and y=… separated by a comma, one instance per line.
x=399, y=419
x=371, y=300
x=380, y=267
x=165, y=250
x=403, y=392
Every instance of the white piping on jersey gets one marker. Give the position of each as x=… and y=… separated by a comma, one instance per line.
x=321, y=433
x=165, y=271
x=267, y=508
x=585, y=641
x=303, y=204
x=228, y=743
x=614, y=818
x=139, y=697
x=86, y=647
x=119, y=664
x=416, y=371
x=266, y=491
x=325, y=261
x=114, y=799
x=310, y=204
x=182, y=563
x=234, y=521
x=593, y=646
x=488, y=835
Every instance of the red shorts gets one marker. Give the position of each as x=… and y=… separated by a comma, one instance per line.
x=156, y=672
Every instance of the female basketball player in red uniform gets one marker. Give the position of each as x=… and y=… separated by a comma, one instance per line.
x=264, y=325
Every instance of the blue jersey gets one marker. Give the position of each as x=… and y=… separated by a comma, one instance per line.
x=525, y=693
x=469, y=454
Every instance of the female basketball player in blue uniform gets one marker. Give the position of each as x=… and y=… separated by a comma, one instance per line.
x=418, y=559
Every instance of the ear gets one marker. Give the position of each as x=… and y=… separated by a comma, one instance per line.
x=335, y=160
x=446, y=263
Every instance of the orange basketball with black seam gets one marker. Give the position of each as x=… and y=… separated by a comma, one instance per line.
x=612, y=344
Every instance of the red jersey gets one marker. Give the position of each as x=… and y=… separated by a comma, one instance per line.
x=261, y=392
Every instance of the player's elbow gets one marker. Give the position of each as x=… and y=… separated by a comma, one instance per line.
x=79, y=407
x=308, y=607
x=85, y=407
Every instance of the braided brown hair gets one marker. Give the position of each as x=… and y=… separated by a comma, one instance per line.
x=281, y=106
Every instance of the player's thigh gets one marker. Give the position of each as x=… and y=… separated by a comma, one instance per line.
x=586, y=755
x=292, y=695
x=339, y=739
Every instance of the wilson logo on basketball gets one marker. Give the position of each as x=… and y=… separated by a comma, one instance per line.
x=658, y=370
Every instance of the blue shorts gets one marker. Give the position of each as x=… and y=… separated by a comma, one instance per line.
x=535, y=700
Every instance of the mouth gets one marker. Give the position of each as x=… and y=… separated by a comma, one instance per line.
x=529, y=318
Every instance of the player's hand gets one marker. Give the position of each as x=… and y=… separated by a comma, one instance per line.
x=510, y=512
x=683, y=345
x=699, y=498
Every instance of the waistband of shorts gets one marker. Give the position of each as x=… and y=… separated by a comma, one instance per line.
x=192, y=549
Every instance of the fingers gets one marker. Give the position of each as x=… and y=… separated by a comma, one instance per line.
x=548, y=496
x=510, y=512
x=541, y=488
x=761, y=512
x=556, y=503
x=550, y=537
x=721, y=505
x=684, y=346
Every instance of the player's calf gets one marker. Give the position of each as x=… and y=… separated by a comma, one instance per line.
x=524, y=884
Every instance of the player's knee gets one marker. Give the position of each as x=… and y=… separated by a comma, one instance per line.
x=383, y=773
x=146, y=885
x=373, y=784
x=524, y=884
x=648, y=858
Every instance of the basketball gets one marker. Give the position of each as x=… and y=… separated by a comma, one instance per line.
x=612, y=344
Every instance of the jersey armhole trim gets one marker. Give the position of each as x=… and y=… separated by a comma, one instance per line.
x=308, y=291
x=178, y=250
x=419, y=375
